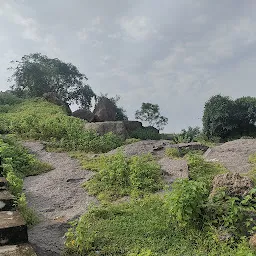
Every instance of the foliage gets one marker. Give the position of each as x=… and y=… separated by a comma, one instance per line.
x=143, y=227
x=131, y=140
x=146, y=133
x=186, y=201
x=18, y=163
x=39, y=119
x=252, y=158
x=226, y=118
x=201, y=170
x=36, y=74
x=151, y=113
x=172, y=152
x=118, y=176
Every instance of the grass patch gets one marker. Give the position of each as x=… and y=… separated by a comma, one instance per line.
x=252, y=158
x=143, y=227
x=118, y=176
x=39, y=119
x=173, y=153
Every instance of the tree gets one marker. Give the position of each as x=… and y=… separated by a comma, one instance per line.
x=150, y=113
x=218, y=118
x=36, y=74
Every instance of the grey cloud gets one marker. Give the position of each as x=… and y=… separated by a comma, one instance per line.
x=170, y=52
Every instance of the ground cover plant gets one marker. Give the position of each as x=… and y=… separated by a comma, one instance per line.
x=183, y=221
x=17, y=163
x=39, y=119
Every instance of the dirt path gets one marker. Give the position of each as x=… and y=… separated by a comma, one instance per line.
x=57, y=197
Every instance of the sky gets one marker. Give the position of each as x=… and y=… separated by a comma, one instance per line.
x=174, y=53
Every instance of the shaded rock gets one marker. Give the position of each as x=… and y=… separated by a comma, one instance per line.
x=252, y=241
x=234, y=184
x=105, y=110
x=102, y=128
x=54, y=98
x=17, y=250
x=84, y=114
x=174, y=168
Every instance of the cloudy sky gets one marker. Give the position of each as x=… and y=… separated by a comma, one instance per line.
x=176, y=53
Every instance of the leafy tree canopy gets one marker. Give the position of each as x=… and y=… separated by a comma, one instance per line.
x=226, y=118
x=151, y=113
x=36, y=74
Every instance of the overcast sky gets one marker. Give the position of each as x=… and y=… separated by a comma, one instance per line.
x=176, y=53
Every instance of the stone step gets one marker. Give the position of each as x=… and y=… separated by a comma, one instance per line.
x=13, y=229
x=17, y=250
x=6, y=201
x=3, y=183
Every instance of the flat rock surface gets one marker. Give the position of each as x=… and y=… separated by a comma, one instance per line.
x=233, y=155
x=174, y=168
x=57, y=197
x=11, y=219
x=17, y=250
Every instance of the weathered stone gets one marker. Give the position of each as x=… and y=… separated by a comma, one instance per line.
x=3, y=183
x=191, y=146
x=174, y=168
x=102, y=128
x=84, y=114
x=252, y=241
x=233, y=183
x=6, y=200
x=13, y=229
x=17, y=250
x=105, y=110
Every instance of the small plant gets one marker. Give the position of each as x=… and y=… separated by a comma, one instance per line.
x=172, y=152
x=252, y=158
x=186, y=201
x=146, y=133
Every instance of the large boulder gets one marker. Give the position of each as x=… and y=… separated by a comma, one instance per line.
x=233, y=183
x=116, y=127
x=105, y=110
x=55, y=99
x=84, y=114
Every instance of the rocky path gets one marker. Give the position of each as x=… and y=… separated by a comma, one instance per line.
x=57, y=197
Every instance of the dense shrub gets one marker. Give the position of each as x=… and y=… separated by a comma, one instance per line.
x=39, y=119
x=145, y=134
x=118, y=176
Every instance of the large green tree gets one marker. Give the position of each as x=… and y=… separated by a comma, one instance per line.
x=226, y=118
x=151, y=113
x=36, y=74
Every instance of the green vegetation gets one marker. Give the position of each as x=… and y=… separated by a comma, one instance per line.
x=228, y=119
x=118, y=176
x=18, y=163
x=39, y=119
x=172, y=152
x=151, y=113
x=146, y=133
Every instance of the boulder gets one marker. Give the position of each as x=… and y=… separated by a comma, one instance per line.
x=131, y=126
x=102, y=128
x=233, y=183
x=174, y=168
x=105, y=110
x=84, y=114
x=55, y=99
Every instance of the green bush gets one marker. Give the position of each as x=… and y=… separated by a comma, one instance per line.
x=186, y=201
x=39, y=119
x=145, y=133
x=118, y=176
x=18, y=163
x=172, y=152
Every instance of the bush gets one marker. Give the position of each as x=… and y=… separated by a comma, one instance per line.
x=145, y=134
x=186, y=201
x=172, y=152
x=39, y=119
x=118, y=176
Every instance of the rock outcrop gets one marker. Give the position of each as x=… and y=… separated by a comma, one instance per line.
x=233, y=183
x=105, y=110
x=84, y=114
